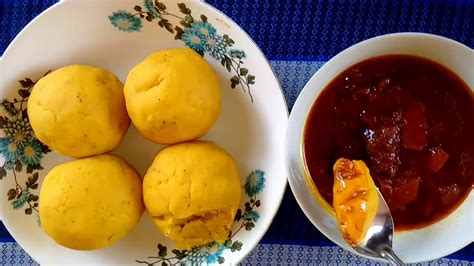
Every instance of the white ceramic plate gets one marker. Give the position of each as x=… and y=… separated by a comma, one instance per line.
x=435, y=241
x=113, y=35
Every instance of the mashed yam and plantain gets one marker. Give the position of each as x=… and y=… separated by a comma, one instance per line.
x=173, y=96
x=355, y=199
x=79, y=111
x=90, y=203
x=192, y=189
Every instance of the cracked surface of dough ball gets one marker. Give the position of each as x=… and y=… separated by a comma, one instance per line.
x=79, y=111
x=173, y=96
x=193, y=191
x=90, y=203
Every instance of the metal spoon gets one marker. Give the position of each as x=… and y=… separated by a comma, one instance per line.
x=378, y=240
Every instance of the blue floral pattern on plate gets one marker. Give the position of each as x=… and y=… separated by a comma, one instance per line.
x=21, y=150
x=212, y=252
x=201, y=36
x=125, y=21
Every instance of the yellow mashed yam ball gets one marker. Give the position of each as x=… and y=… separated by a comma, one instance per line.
x=90, y=203
x=173, y=96
x=192, y=191
x=79, y=111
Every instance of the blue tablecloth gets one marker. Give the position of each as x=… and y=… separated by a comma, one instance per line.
x=297, y=37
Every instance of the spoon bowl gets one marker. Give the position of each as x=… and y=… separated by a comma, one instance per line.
x=378, y=239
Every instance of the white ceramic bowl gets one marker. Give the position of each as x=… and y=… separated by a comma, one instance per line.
x=111, y=34
x=435, y=241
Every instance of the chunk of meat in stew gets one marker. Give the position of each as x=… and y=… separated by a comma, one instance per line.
x=414, y=130
x=401, y=191
x=383, y=146
x=437, y=157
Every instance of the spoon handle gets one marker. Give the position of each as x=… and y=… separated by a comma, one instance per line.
x=387, y=253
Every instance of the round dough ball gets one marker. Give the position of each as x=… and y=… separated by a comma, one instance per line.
x=192, y=191
x=90, y=203
x=79, y=111
x=173, y=96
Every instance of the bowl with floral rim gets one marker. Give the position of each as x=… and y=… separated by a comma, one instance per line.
x=116, y=35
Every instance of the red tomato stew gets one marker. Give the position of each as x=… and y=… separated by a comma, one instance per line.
x=411, y=120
